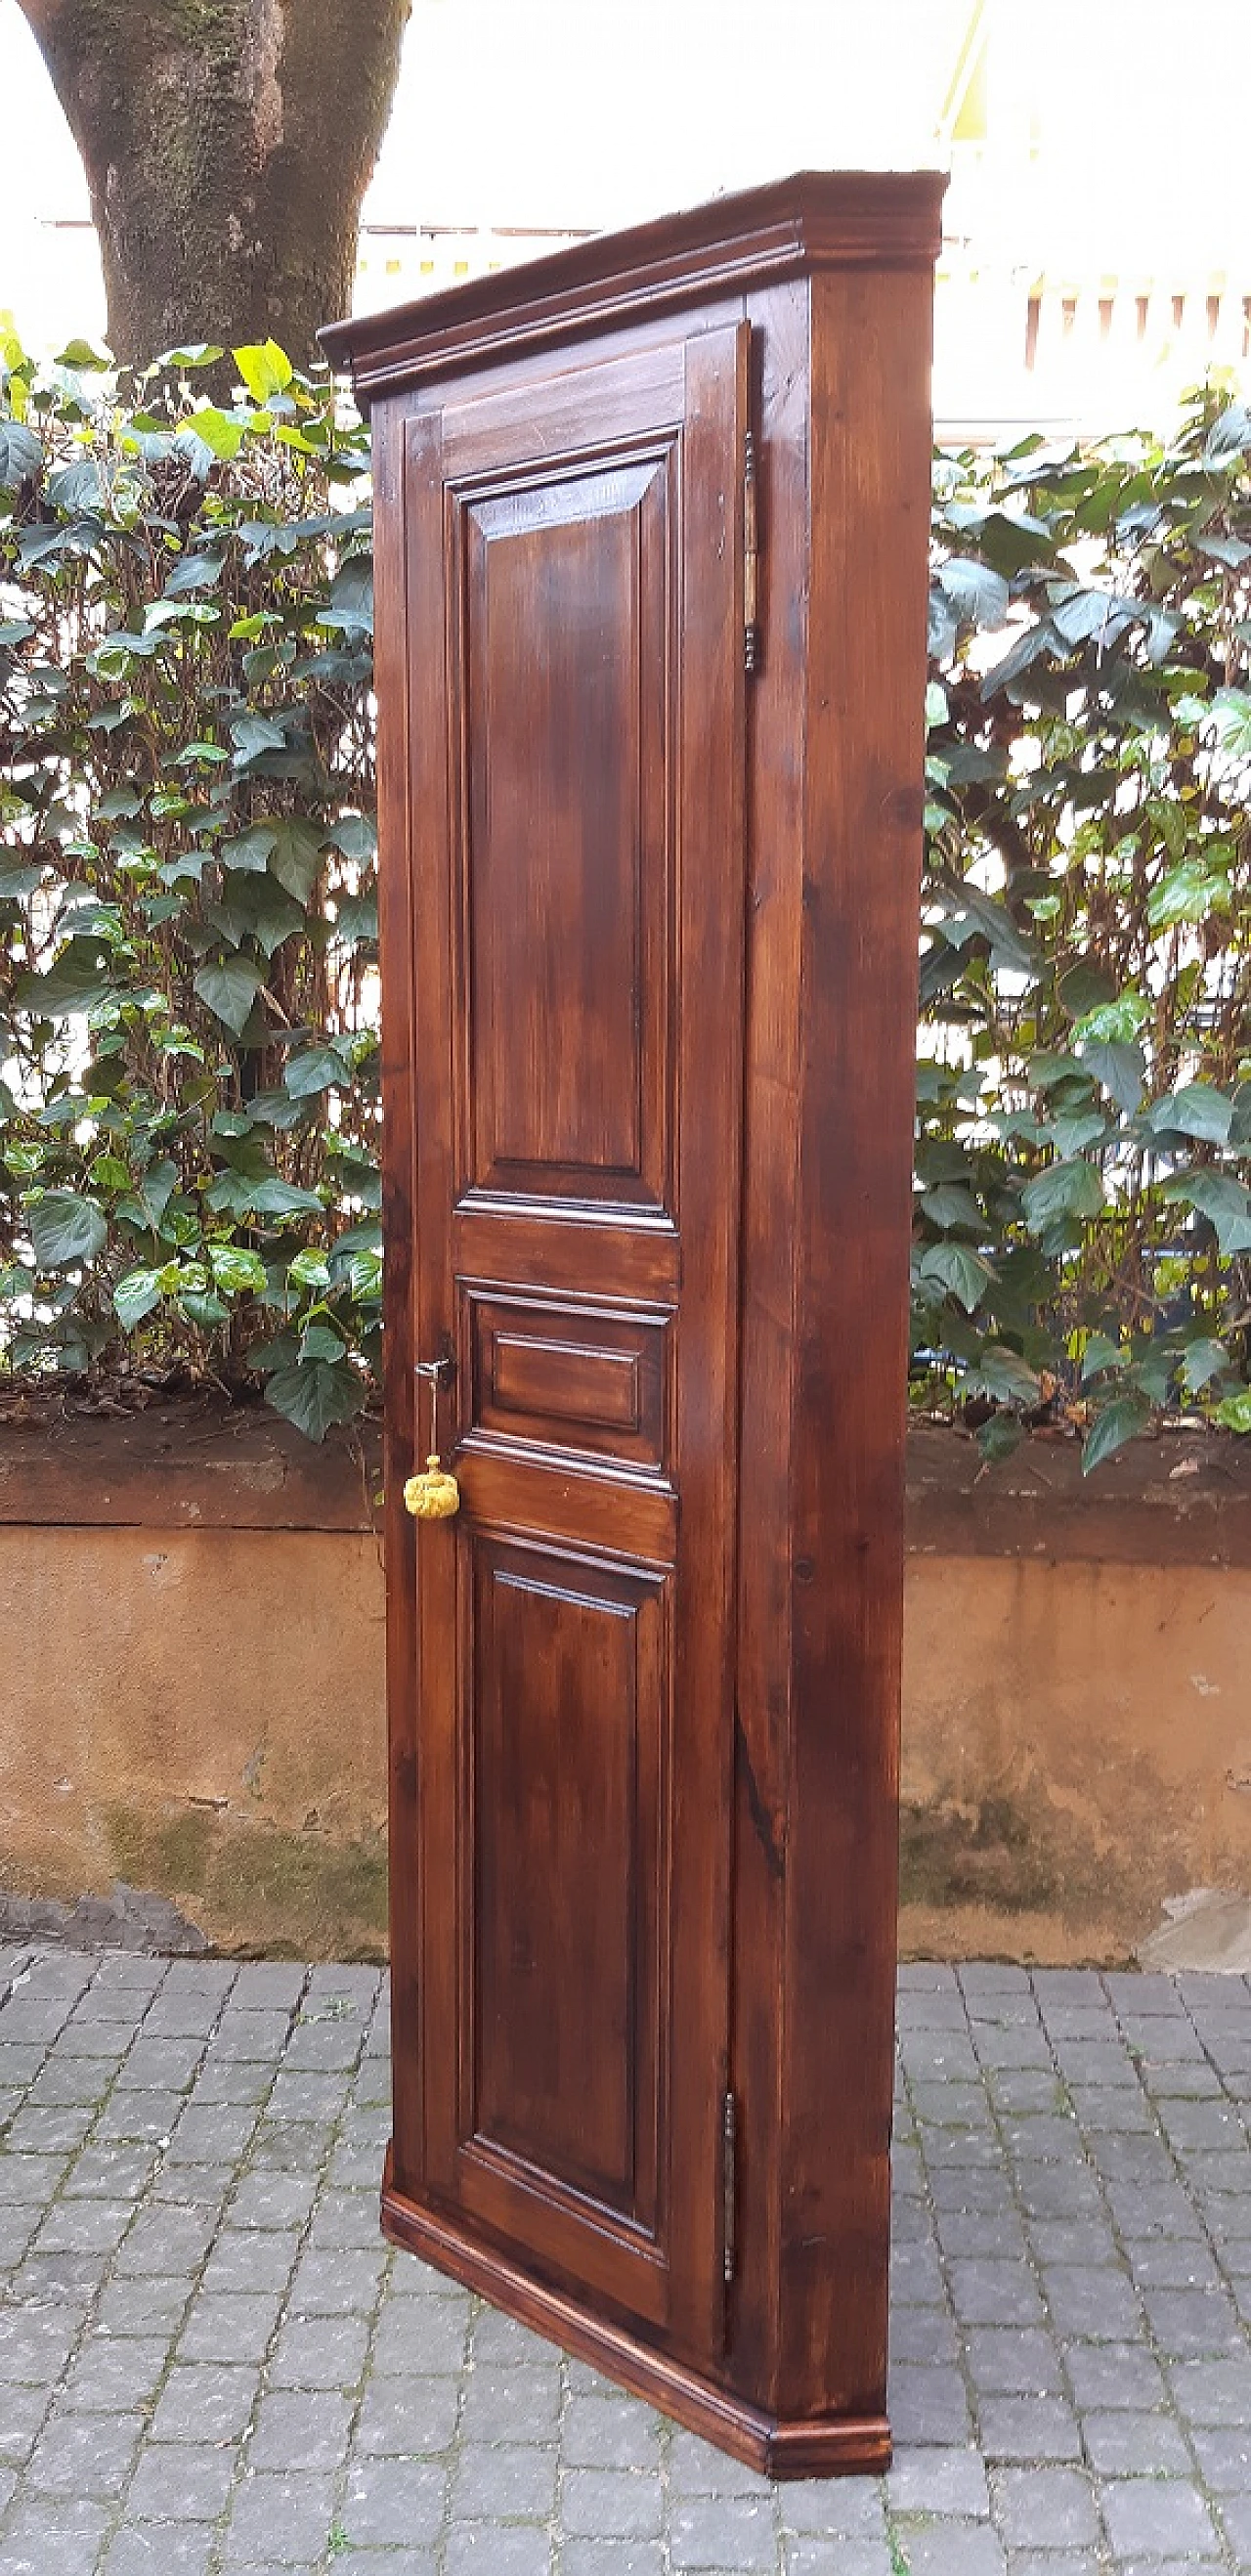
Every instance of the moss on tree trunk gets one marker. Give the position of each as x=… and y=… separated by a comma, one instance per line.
x=227, y=144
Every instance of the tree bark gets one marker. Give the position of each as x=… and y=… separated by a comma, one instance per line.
x=227, y=145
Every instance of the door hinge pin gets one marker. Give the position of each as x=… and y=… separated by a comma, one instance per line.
x=729, y=2184
x=751, y=559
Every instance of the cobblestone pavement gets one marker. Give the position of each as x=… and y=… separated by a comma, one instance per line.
x=209, y=2362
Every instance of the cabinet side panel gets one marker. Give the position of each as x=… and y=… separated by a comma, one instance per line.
x=775, y=736
x=870, y=432
x=395, y=926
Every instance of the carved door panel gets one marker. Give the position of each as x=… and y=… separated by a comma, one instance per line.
x=576, y=830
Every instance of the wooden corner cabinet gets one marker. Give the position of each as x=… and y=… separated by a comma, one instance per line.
x=652, y=521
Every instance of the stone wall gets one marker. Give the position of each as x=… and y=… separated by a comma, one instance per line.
x=192, y=1738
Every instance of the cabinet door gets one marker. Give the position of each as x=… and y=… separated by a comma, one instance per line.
x=575, y=827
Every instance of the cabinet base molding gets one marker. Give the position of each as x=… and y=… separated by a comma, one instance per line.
x=809, y=2447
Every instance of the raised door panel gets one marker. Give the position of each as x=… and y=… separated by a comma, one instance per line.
x=564, y=1796
x=565, y=833
x=575, y=819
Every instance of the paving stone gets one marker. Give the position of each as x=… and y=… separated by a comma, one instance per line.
x=375, y=2562
x=1213, y=2392
x=277, y=2515
x=320, y=2352
x=106, y=2173
x=49, y=2129
x=84, y=2227
x=1006, y=2363
x=113, y=2372
x=842, y=2509
x=1158, y=2517
x=1045, y=2508
x=160, y=2063
x=304, y=2429
x=1095, y=2303
x=994, y=2294
x=927, y=2406
x=1029, y=2428
x=1114, y=2374
x=35, y=2343
x=723, y=2532
x=46, y=2535
x=940, y=2482
x=205, y=2402
x=600, y=2557
x=242, y=2260
x=161, y=2549
x=182, y=2482
x=924, y=2334
x=83, y=2455
x=22, y=2410
x=146, y=2304
x=420, y=2334
x=231, y=2325
x=520, y=2404
x=1186, y=2323
x=697, y=2468
x=269, y=1985
x=951, y=2549
x=1127, y=2444
x=407, y=2415
x=167, y=2240
x=495, y=2549
x=1224, y=2458
x=609, y=2432
x=346, y=2219
x=1235, y=2520
x=516, y=2482
x=337, y=2283
x=395, y=2503
x=273, y=2200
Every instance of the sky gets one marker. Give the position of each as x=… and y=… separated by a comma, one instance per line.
x=588, y=113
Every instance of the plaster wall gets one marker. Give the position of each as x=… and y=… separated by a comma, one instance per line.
x=192, y=1702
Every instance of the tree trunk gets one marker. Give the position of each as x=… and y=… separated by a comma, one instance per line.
x=227, y=144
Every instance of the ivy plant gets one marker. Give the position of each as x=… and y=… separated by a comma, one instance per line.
x=1083, y=1220
x=188, y=1040
x=188, y=985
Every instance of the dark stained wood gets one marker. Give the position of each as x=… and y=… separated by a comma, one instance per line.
x=649, y=923
x=870, y=462
x=737, y=245
x=819, y=2446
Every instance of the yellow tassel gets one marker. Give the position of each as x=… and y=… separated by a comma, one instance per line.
x=434, y=1495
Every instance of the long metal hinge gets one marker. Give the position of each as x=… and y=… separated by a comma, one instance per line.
x=751, y=559
x=729, y=2184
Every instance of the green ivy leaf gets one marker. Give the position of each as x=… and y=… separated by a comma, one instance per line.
x=236, y=1270
x=1231, y=716
x=1224, y=1201
x=135, y=1296
x=264, y=367
x=316, y=1068
x=1235, y=1413
x=1198, y=1110
x=1122, y=1420
x=230, y=988
x=1202, y=1361
x=954, y=1266
x=309, y=1270
x=1066, y=1189
x=315, y=1394
x=66, y=1230
x=282, y=1198
x=78, y=980
x=296, y=856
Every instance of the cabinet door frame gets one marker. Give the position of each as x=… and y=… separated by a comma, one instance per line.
x=693, y=392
